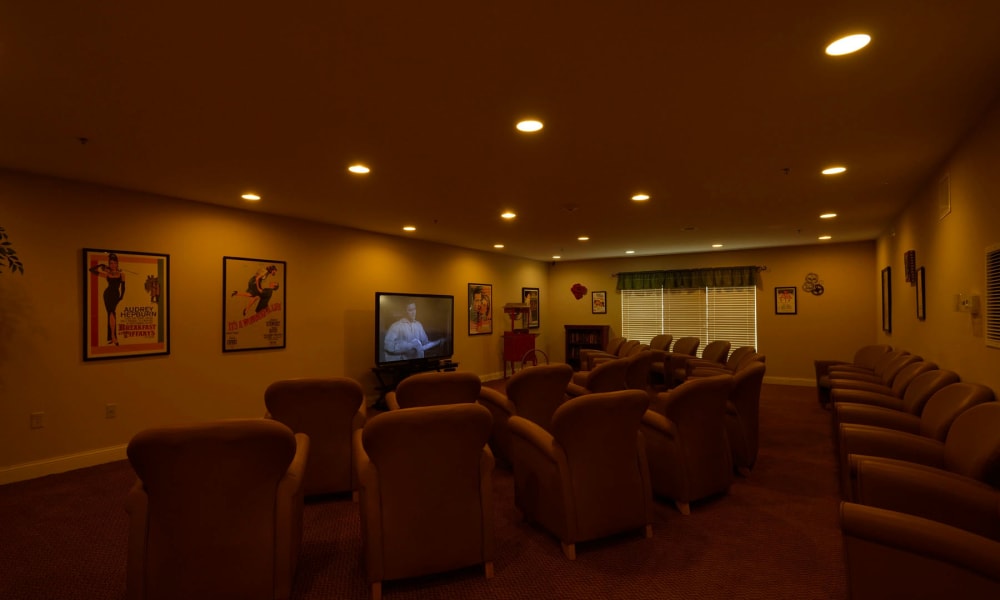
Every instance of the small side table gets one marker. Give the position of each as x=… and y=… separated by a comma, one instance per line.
x=515, y=346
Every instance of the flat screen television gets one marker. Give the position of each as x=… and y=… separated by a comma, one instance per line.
x=413, y=328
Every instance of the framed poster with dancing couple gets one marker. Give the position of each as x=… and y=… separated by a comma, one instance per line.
x=126, y=304
x=253, y=304
x=480, y=308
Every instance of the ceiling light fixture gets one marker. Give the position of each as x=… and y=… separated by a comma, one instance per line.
x=409, y=228
x=359, y=169
x=640, y=197
x=630, y=252
x=849, y=44
x=826, y=237
x=530, y=126
x=828, y=215
x=556, y=257
x=716, y=245
x=834, y=170
x=498, y=245
x=508, y=215
x=583, y=238
x=251, y=197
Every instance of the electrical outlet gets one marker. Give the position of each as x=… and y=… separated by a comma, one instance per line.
x=110, y=411
x=37, y=420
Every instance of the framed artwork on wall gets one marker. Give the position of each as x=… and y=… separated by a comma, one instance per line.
x=785, y=300
x=921, y=295
x=598, y=303
x=253, y=304
x=126, y=304
x=480, y=308
x=530, y=297
x=887, y=299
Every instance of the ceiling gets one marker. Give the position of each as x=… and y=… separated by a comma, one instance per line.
x=723, y=112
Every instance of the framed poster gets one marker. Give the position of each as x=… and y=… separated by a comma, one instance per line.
x=126, y=304
x=921, y=295
x=530, y=297
x=785, y=301
x=253, y=304
x=598, y=303
x=887, y=299
x=480, y=308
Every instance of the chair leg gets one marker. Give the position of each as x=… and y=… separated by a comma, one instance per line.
x=684, y=507
x=376, y=591
x=569, y=550
x=489, y=569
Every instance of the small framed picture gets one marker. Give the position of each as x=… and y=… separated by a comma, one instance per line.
x=480, y=308
x=598, y=303
x=253, y=304
x=785, y=302
x=530, y=297
x=921, y=295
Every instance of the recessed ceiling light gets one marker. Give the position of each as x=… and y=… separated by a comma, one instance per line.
x=716, y=245
x=508, y=215
x=834, y=170
x=640, y=197
x=358, y=169
x=630, y=252
x=849, y=44
x=556, y=257
x=498, y=245
x=826, y=237
x=251, y=197
x=583, y=238
x=409, y=228
x=828, y=215
x=529, y=126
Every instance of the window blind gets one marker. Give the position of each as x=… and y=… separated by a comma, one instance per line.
x=993, y=296
x=709, y=313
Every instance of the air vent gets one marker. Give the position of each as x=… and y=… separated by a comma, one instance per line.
x=993, y=296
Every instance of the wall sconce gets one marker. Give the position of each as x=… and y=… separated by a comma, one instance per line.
x=967, y=303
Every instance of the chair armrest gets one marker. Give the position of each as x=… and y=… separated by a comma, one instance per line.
x=497, y=403
x=574, y=390
x=288, y=514
x=869, y=397
x=889, y=443
x=877, y=416
x=533, y=433
x=840, y=377
x=391, y=401
x=930, y=493
x=659, y=423
x=860, y=385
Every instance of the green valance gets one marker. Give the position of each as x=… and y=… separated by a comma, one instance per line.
x=689, y=278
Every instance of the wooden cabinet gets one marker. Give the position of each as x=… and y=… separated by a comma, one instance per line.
x=579, y=337
x=515, y=346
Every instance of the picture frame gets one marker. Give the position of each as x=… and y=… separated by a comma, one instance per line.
x=921, y=295
x=480, y=308
x=126, y=304
x=530, y=296
x=598, y=303
x=786, y=300
x=253, y=304
x=887, y=299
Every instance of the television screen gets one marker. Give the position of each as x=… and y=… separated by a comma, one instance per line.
x=413, y=327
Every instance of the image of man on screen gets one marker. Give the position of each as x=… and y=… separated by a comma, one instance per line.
x=406, y=338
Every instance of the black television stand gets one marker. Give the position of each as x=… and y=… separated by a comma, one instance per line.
x=389, y=375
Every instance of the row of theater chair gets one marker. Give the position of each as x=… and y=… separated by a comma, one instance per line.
x=918, y=453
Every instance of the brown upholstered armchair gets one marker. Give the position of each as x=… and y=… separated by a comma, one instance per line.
x=919, y=532
x=883, y=378
x=685, y=349
x=609, y=376
x=687, y=443
x=533, y=393
x=864, y=359
x=661, y=342
x=627, y=349
x=971, y=446
x=894, y=384
x=329, y=411
x=743, y=416
x=587, y=478
x=216, y=511
x=715, y=354
x=639, y=370
x=614, y=344
x=434, y=389
x=426, y=497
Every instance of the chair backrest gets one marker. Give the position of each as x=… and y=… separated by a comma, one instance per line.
x=328, y=411
x=924, y=386
x=627, y=348
x=894, y=366
x=716, y=351
x=637, y=372
x=426, y=499
x=687, y=345
x=750, y=358
x=867, y=356
x=737, y=354
x=600, y=436
x=907, y=374
x=661, y=342
x=884, y=361
x=745, y=398
x=211, y=509
x=435, y=389
x=972, y=447
x=614, y=344
x=947, y=403
x=537, y=392
x=608, y=376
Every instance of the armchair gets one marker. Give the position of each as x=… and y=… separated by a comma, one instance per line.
x=864, y=359
x=686, y=441
x=614, y=344
x=533, y=393
x=329, y=411
x=216, y=511
x=743, y=416
x=715, y=354
x=685, y=348
x=587, y=478
x=425, y=477
x=435, y=388
x=608, y=376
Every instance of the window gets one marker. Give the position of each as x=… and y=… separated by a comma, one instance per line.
x=993, y=296
x=709, y=313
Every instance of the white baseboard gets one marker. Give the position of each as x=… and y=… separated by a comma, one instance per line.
x=790, y=381
x=61, y=464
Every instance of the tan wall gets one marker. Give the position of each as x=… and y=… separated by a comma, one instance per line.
x=952, y=250
x=833, y=325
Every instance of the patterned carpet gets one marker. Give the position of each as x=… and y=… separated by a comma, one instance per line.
x=774, y=536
